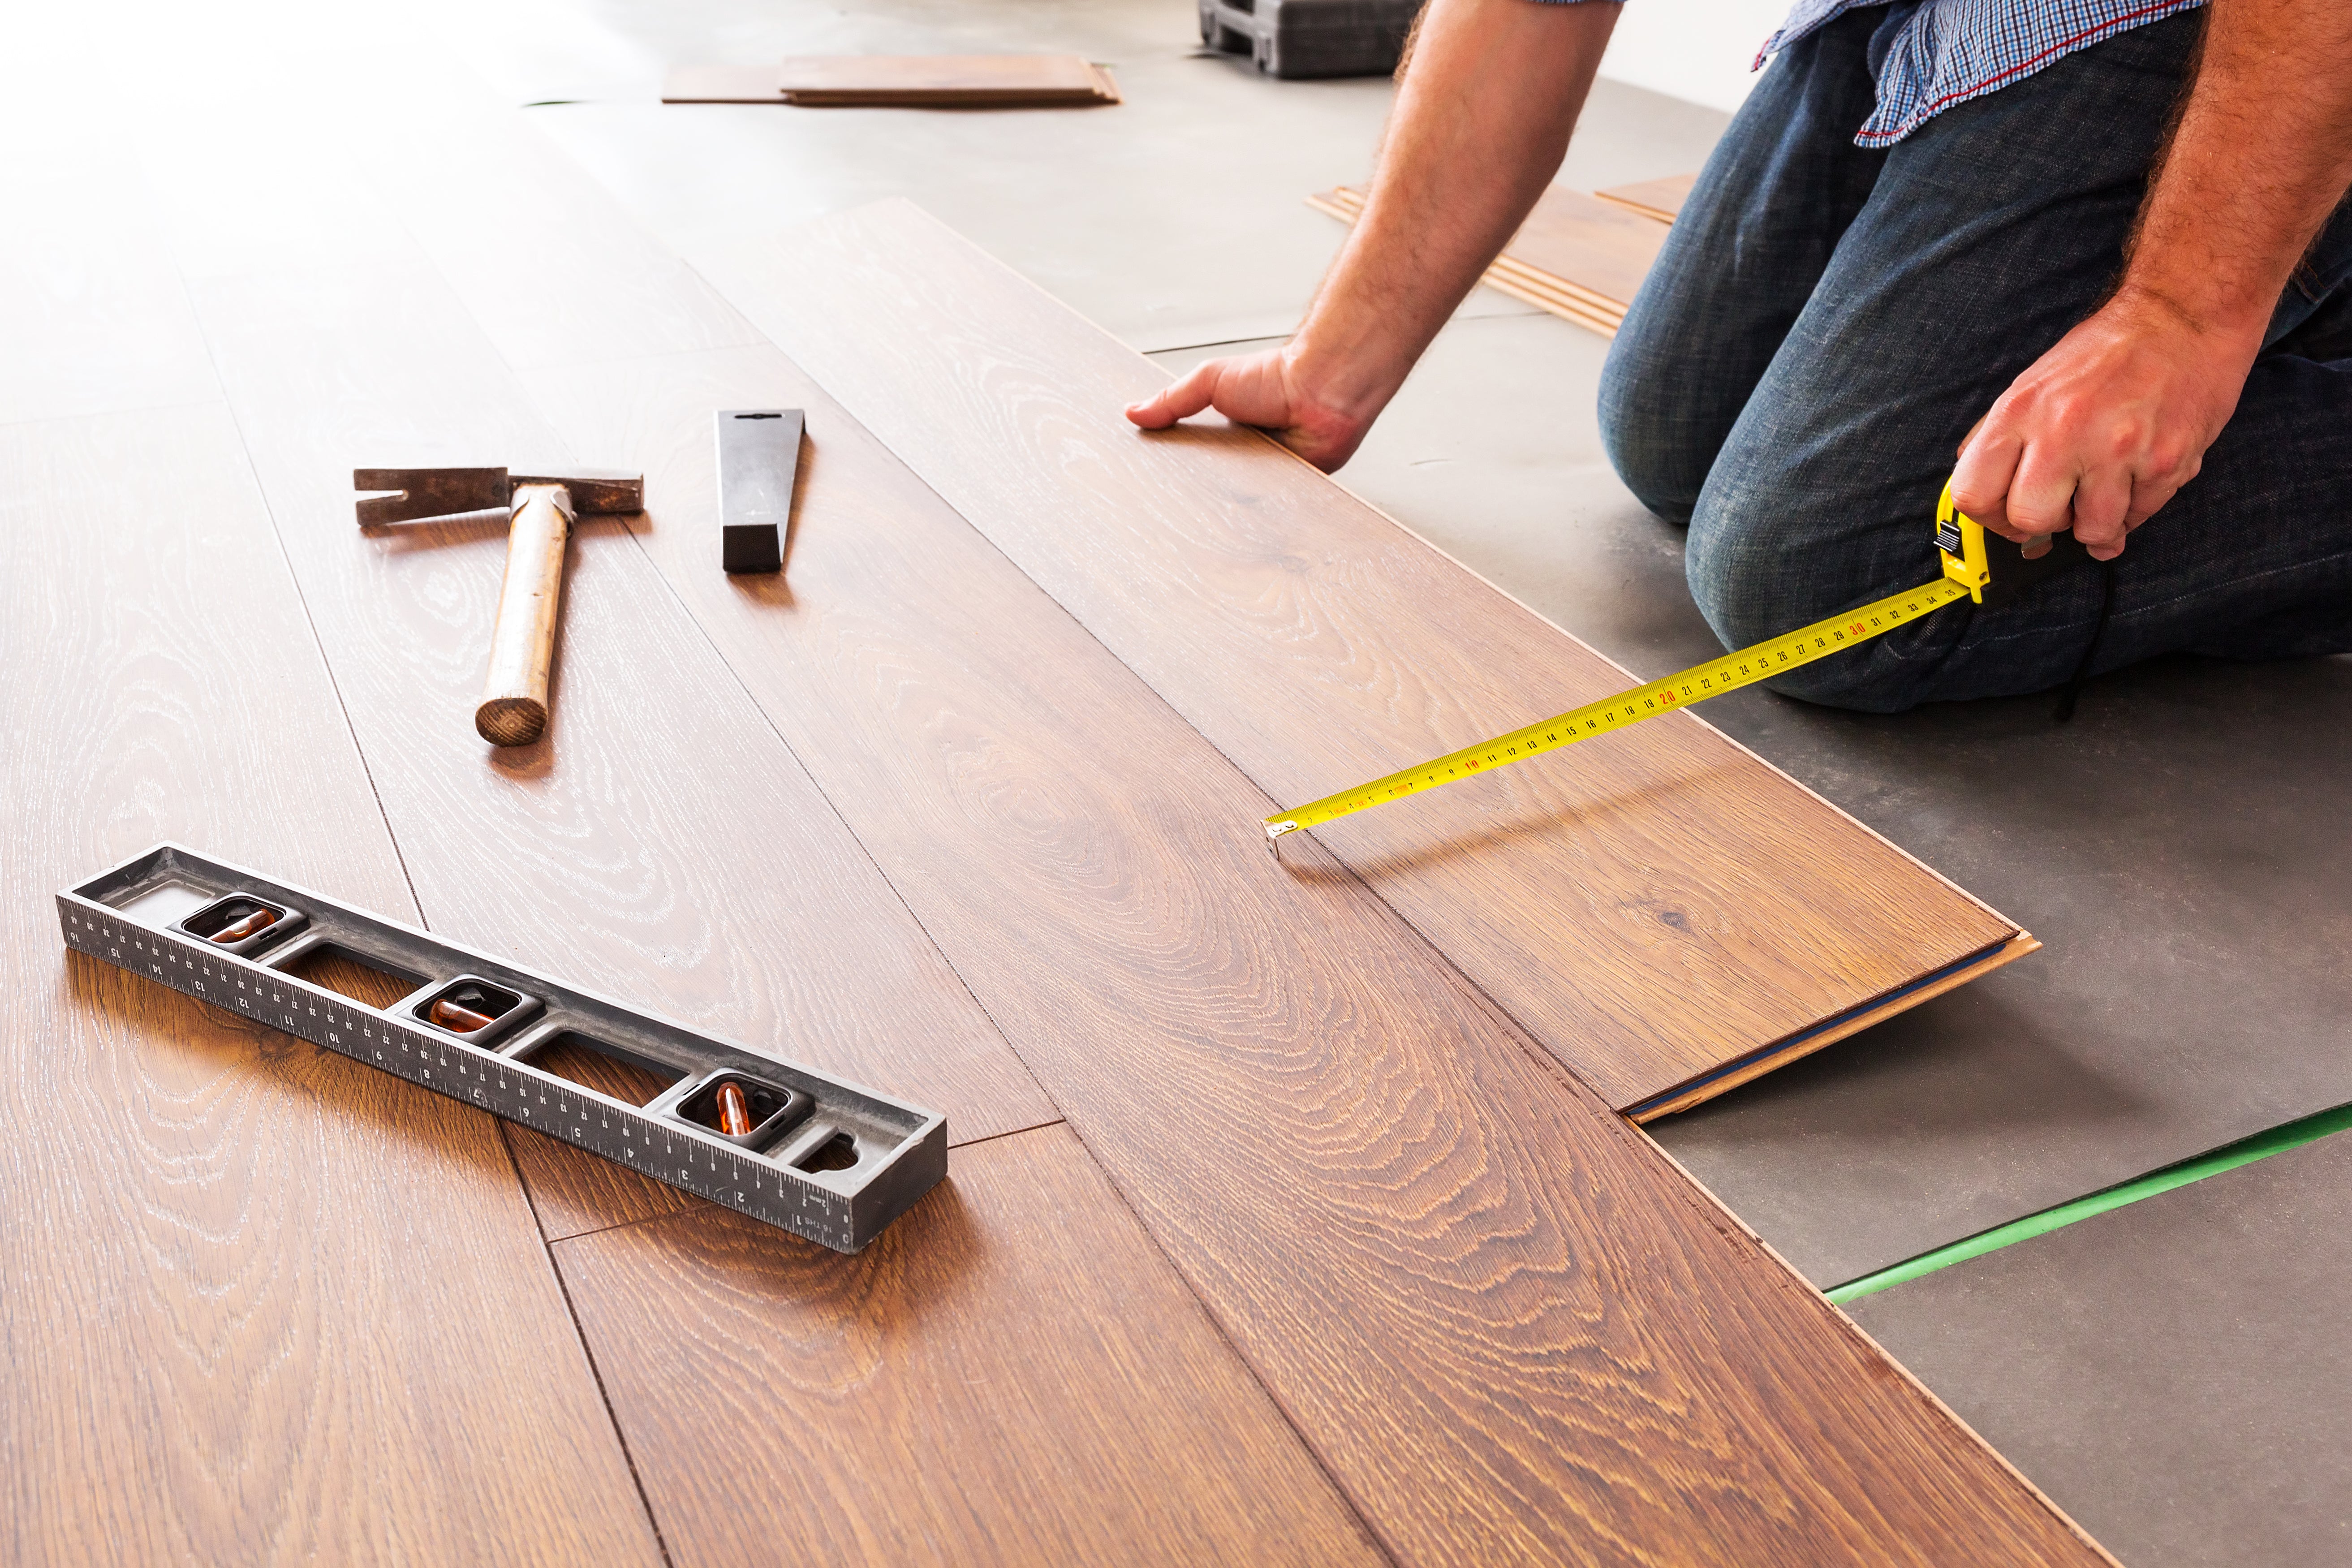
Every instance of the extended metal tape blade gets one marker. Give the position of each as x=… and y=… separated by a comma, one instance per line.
x=1713, y=678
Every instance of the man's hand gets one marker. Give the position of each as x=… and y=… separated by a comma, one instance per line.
x=1267, y=390
x=2100, y=431
x=1483, y=116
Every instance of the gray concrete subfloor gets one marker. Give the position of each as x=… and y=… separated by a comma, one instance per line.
x=2172, y=1373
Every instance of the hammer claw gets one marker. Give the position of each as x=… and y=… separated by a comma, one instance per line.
x=419, y=494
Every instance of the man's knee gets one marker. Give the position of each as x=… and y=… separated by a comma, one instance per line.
x=1655, y=452
x=1762, y=563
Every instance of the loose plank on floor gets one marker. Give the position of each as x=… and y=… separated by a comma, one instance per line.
x=1011, y=1373
x=264, y=1304
x=1510, y=1329
x=1652, y=907
x=660, y=843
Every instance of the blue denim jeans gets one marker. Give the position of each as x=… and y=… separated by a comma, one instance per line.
x=1826, y=323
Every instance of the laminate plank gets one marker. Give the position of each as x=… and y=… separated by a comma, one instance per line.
x=1539, y=289
x=1650, y=907
x=660, y=844
x=1660, y=198
x=264, y=1304
x=1510, y=1327
x=1591, y=254
x=1011, y=1373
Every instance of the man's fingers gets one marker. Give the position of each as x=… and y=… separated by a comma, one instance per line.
x=2148, y=496
x=2040, y=496
x=1981, y=481
x=2101, y=502
x=1187, y=397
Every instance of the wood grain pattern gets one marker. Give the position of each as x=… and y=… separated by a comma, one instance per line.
x=660, y=843
x=1011, y=1373
x=1650, y=909
x=1509, y=1326
x=263, y=1305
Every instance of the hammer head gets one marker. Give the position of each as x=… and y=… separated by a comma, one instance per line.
x=420, y=494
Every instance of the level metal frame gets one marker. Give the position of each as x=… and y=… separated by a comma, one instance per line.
x=133, y=915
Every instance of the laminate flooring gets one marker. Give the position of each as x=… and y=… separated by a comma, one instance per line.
x=1308, y=1216
x=2121, y=1047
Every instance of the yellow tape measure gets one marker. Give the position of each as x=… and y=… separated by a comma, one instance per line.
x=1959, y=539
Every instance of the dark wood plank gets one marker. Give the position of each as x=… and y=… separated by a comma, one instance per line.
x=1509, y=1327
x=1650, y=907
x=661, y=843
x=263, y=1304
x=1011, y=1373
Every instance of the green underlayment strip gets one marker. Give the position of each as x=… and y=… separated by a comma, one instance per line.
x=2228, y=1157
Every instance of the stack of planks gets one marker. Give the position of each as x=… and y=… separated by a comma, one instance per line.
x=1579, y=256
x=900, y=82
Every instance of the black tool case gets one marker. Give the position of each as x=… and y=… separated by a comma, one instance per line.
x=1299, y=39
x=824, y=1158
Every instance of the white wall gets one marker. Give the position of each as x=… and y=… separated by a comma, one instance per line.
x=1694, y=50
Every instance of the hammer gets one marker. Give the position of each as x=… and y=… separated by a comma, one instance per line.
x=541, y=508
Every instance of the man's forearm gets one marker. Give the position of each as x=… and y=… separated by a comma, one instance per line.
x=1481, y=123
x=2262, y=154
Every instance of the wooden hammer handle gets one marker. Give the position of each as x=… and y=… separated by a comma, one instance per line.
x=514, y=700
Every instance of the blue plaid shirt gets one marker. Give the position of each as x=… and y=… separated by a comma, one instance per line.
x=1953, y=50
